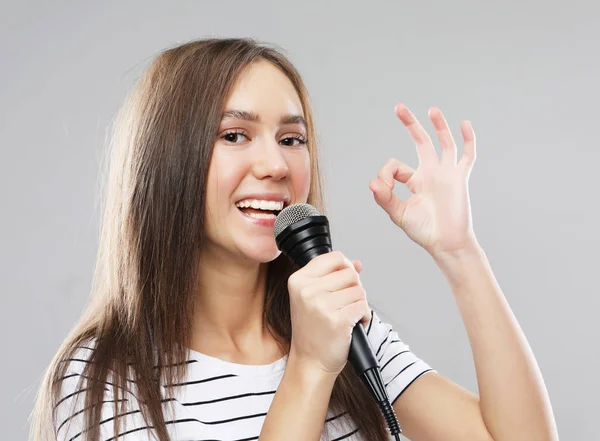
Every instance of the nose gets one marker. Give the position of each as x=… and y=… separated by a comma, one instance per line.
x=270, y=161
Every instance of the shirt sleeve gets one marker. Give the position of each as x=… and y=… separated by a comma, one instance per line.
x=400, y=367
x=69, y=420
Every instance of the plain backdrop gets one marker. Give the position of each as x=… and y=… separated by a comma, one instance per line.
x=525, y=73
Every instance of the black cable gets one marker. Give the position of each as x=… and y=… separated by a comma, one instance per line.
x=374, y=381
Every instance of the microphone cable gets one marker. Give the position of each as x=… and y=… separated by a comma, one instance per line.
x=373, y=380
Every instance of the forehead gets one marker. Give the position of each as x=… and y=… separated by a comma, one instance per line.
x=266, y=90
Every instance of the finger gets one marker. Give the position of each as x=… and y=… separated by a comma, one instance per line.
x=425, y=149
x=366, y=318
x=326, y=264
x=469, y=151
x=353, y=313
x=342, y=298
x=444, y=135
x=388, y=200
x=394, y=170
x=357, y=265
x=338, y=280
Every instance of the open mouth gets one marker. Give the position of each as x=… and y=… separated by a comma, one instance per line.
x=261, y=209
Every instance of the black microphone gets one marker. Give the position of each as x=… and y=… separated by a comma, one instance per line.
x=302, y=233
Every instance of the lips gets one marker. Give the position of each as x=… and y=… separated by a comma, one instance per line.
x=262, y=208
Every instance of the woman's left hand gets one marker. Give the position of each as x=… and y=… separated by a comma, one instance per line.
x=437, y=216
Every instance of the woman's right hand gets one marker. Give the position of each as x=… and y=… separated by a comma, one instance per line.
x=326, y=301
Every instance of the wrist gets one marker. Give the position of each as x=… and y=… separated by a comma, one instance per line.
x=309, y=372
x=471, y=249
x=459, y=264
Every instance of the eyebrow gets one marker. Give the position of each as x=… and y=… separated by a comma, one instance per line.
x=253, y=117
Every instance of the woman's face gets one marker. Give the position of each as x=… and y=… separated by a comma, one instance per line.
x=259, y=156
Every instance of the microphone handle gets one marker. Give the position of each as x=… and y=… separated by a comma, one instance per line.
x=361, y=354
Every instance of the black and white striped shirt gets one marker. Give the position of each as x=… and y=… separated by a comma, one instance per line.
x=220, y=400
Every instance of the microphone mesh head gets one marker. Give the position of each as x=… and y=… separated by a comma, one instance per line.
x=293, y=213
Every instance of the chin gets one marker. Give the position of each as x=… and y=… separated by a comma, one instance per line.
x=262, y=253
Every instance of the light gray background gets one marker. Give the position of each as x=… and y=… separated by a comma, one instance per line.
x=526, y=74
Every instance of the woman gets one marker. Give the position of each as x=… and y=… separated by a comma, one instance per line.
x=189, y=335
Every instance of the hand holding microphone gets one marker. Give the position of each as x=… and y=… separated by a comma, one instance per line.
x=326, y=303
x=327, y=299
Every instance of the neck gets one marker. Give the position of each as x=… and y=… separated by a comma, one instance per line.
x=229, y=305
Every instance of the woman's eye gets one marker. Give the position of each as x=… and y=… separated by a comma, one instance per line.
x=290, y=141
x=299, y=139
x=232, y=137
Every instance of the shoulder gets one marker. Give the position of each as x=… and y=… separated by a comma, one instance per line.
x=71, y=405
x=69, y=401
x=400, y=366
x=73, y=368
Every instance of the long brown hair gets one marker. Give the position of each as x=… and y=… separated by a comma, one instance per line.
x=141, y=309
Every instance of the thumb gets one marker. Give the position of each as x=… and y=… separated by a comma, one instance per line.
x=387, y=199
x=357, y=265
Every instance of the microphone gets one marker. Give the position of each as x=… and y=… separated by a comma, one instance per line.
x=302, y=233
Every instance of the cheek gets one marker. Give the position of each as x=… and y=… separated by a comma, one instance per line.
x=223, y=178
x=301, y=176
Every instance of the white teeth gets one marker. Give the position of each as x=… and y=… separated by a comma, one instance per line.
x=260, y=204
x=262, y=215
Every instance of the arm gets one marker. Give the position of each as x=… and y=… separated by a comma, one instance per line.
x=513, y=403
x=300, y=404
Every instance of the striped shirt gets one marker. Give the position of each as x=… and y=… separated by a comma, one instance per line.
x=220, y=400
